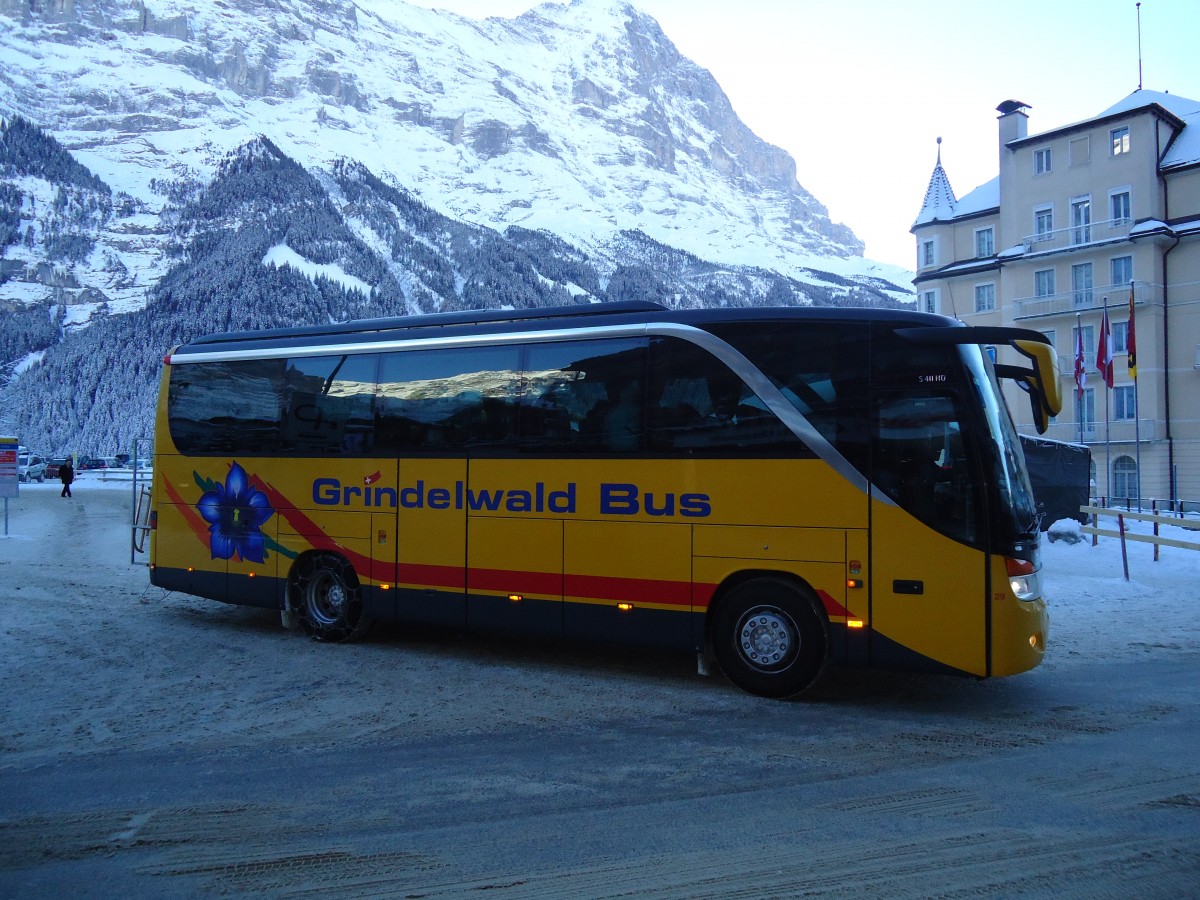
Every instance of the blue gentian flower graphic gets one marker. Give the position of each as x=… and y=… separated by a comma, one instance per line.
x=235, y=513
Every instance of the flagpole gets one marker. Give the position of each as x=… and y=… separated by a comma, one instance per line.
x=1107, y=451
x=1104, y=366
x=1080, y=374
x=1131, y=362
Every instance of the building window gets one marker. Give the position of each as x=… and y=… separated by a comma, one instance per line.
x=1043, y=283
x=1119, y=140
x=1119, y=207
x=985, y=242
x=1124, y=478
x=1081, y=220
x=929, y=301
x=1124, y=403
x=928, y=253
x=1120, y=336
x=1043, y=222
x=1079, y=151
x=1121, y=269
x=985, y=297
x=1043, y=161
x=1086, y=409
x=1081, y=284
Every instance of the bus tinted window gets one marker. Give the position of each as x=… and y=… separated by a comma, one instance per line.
x=698, y=405
x=922, y=461
x=584, y=397
x=443, y=400
x=226, y=407
x=924, y=454
x=329, y=405
x=822, y=368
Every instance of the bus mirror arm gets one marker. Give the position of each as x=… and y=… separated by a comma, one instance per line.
x=1029, y=381
x=1042, y=382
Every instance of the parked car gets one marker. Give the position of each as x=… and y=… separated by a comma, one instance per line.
x=54, y=465
x=94, y=463
x=98, y=463
x=31, y=467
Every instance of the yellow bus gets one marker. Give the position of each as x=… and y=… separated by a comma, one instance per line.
x=776, y=489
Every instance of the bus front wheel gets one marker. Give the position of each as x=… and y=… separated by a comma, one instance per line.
x=326, y=594
x=770, y=637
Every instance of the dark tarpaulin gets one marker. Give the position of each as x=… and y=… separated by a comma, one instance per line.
x=1060, y=474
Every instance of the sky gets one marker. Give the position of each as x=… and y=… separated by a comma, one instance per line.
x=858, y=91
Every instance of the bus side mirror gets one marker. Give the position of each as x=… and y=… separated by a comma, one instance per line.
x=1027, y=380
x=1041, y=382
x=1045, y=367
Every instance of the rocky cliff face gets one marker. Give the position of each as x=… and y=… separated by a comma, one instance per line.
x=171, y=167
x=580, y=118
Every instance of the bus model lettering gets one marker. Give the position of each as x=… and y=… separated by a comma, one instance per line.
x=627, y=500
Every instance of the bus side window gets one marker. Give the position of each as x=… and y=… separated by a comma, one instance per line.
x=584, y=397
x=226, y=407
x=329, y=405
x=921, y=460
x=448, y=400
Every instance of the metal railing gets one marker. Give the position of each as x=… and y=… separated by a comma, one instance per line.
x=1114, y=296
x=1103, y=232
x=1119, y=430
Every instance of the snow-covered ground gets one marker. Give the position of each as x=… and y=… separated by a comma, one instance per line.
x=69, y=561
x=155, y=744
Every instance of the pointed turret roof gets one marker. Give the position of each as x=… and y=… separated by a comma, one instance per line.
x=940, y=202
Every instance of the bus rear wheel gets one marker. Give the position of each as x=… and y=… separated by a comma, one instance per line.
x=326, y=593
x=770, y=637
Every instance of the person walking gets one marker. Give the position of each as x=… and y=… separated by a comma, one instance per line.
x=67, y=473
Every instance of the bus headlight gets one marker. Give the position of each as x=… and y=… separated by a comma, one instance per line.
x=1024, y=578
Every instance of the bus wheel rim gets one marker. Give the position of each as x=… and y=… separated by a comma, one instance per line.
x=767, y=639
x=327, y=600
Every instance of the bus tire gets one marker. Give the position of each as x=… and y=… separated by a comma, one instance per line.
x=770, y=637
x=326, y=594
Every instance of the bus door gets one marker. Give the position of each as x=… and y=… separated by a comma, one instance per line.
x=430, y=548
x=628, y=563
x=928, y=584
x=514, y=540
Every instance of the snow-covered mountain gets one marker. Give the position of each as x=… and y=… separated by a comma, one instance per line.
x=568, y=154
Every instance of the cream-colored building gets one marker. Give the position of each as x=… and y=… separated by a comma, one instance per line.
x=1080, y=218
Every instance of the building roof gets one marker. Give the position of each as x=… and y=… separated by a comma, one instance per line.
x=940, y=203
x=984, y=198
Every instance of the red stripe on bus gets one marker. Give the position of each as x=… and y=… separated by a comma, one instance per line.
x=631, y=590
x=452, y=577
x=514, y=582
x=832, y=607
